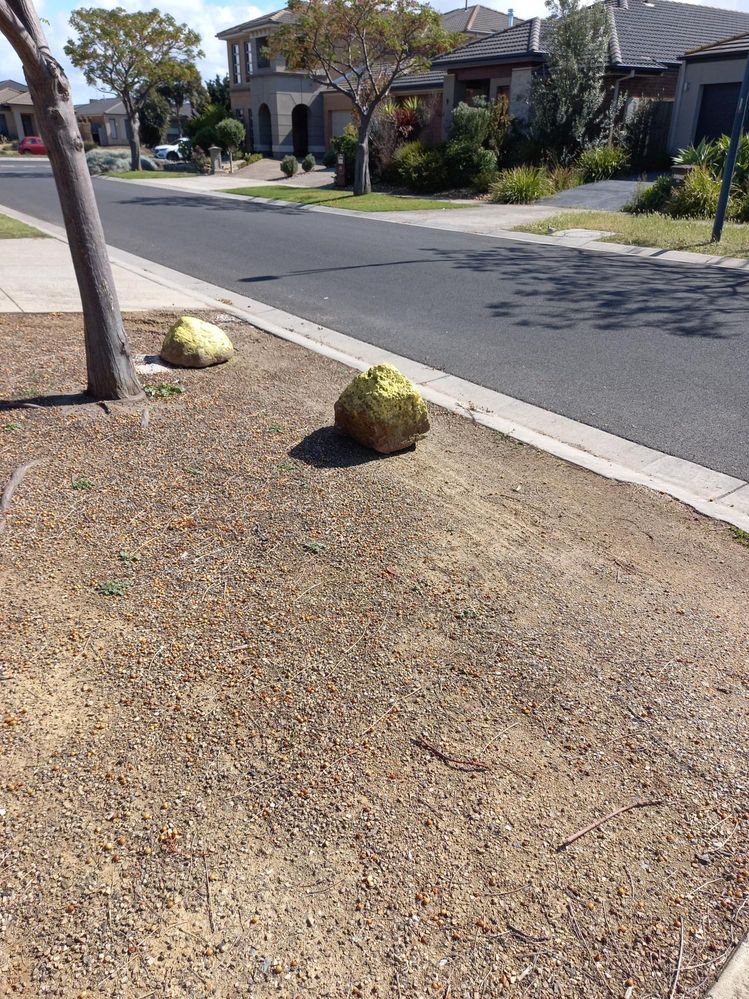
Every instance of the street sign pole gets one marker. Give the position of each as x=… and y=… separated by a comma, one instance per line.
x=733, y=149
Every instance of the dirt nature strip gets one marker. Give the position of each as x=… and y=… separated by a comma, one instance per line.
x=281, y=718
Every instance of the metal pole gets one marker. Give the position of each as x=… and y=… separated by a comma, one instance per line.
x=733, y=149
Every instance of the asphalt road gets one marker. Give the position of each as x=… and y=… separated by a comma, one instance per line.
x=655, y=353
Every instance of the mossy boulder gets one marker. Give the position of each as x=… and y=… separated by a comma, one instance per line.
x=194, y=343
x=383, y=410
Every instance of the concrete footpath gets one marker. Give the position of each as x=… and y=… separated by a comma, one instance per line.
x=146, y=285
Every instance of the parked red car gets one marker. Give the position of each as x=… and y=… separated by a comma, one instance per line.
x=32, y=144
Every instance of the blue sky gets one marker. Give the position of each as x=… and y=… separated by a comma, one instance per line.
x=207, y=18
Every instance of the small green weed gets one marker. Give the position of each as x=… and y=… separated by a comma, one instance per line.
x=275, y=428
x=194, y=470
x=313, y=546
x=163, y=390
x=285, y=466
x=12, y=426
x=112, y=588
x=129, y=557
x=82, y=483
x=741, y=536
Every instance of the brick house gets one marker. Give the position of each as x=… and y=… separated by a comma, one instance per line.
x=287, y=112
x=647, y=42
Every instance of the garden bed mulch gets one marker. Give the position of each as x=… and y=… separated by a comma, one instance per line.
x=281, y=718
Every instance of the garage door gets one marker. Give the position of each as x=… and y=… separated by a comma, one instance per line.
x=338, y=121
x=717, y=108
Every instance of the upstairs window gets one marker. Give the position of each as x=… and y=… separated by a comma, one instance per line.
x=236, y=65
x=263, y=61
x=247, y=60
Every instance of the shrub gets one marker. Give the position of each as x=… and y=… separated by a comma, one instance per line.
x=484, y=180
x=200, y=160
x=705, y=154
x=471, y=122
x=309, y=163
x=205, y=138
x=601, y=163
x=464, y=161
x=562, y=178
x=738, y=209
x=113, y=161
x=654, y=198
x=697, y=196
x=230, y=133
x=520, y=185
x=329, y=157
x=346, y=143
x=289, y=165
x=420, y=168
x=88, y=146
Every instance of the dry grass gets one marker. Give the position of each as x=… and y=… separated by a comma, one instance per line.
x=219, y=781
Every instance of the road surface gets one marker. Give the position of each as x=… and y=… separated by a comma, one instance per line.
x=656, y=353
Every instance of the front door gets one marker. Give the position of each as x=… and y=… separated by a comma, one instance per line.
x=299, y=130
x=27, y=124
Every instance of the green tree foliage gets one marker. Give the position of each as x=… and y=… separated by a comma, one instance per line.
x=568, y=99
x=187, y=86
x=130, y=55
x=154, y=120
x=360, y=48
x=231, y=135
x=202, y=128
x=219, y=93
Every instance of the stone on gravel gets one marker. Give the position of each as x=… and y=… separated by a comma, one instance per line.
x=194, y=343
x=383, y=410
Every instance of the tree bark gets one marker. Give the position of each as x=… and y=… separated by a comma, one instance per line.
x=111, y=374
x=134, y=140
x=362, y=180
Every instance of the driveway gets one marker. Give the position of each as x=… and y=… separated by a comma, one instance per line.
x=604, y=196
x=656, y=353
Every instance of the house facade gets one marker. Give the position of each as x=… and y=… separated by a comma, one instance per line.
x=647, y=42
x=708, y=92
x=105, y=119
x=17, y=117
x=287, y=112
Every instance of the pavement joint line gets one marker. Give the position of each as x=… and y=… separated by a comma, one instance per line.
x=652, y=254
x=701, y=488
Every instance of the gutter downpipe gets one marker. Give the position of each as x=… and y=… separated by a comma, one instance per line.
x=629, y=76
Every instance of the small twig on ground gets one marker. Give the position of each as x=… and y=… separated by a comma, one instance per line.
x=677, y=972
x=499, y=735
x=594, y=825
x=455, y=760
x=13, y=483
x=208, y=895
x=525, y=936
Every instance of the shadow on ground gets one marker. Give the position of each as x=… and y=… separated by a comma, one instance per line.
x=327, y=448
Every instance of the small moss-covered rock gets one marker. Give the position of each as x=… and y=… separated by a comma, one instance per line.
x=194, y=343
x=383, y=410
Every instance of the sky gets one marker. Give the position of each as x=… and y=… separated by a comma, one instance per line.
x=207, y=17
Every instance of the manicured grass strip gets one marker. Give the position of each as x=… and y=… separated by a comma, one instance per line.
x=652, y=230
x=10, y=229
x=335, y=198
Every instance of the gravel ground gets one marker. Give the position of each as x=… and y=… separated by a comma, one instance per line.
x=283, y=719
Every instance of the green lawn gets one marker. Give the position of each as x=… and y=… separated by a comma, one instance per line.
x=10, y=229
x=652, y=230
x=335, y=198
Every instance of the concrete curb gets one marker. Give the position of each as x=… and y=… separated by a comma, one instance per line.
x=733, y=982
x=653, y=254
x=719, y=496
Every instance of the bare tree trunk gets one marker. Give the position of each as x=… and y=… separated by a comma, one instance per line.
x=134, y=123
x=111, y=374
x=362, y=180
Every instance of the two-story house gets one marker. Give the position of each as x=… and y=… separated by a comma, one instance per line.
x=287, y=112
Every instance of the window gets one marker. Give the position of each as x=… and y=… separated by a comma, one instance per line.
x=261, y=44
x=113, y=128
x=247, y=60
x=236, y=65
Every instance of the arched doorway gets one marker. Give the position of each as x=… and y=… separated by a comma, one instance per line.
x=264, y=136
x=299, y=130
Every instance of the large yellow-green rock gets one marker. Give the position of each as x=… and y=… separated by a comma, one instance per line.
x=383, y=410
x=194, y=343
